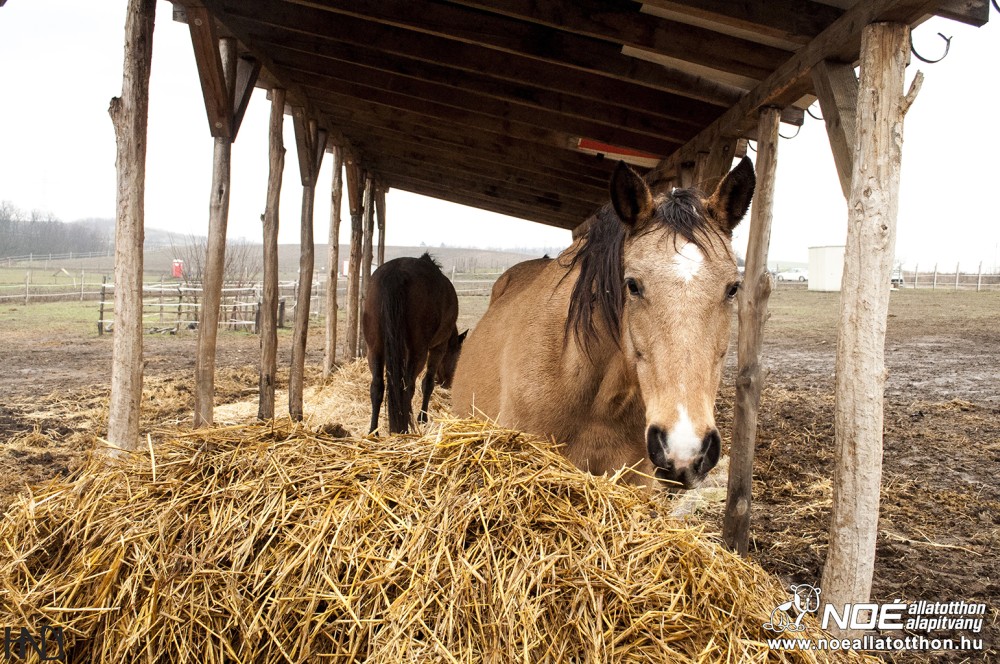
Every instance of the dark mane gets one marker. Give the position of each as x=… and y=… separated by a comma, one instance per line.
x=433, y=261
x=598, y=294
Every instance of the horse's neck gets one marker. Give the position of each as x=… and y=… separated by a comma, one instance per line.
x=607, y=379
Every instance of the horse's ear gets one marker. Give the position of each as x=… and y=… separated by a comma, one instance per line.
x=630, y=196
x=462, y=336
x=731, y=200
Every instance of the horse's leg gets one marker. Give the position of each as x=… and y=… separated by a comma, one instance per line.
x=377, y=365
x=434, y=358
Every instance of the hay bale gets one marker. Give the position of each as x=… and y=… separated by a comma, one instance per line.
x=278, y=544
x=343, y=399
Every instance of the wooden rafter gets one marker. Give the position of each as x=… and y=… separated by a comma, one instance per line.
x=217, y=94
x=840, y=41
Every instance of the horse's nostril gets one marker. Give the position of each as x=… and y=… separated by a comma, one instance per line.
x=711, y=449
x=656, y=445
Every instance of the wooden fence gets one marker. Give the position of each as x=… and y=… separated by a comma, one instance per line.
x=951, y=279
x=174, y=307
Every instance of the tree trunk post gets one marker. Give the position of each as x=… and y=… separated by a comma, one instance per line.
x=366, y=252
x=308, y=145
x=860, y=375
x=269, y=300
x=752, y=298
x=333, y=267
x=215, y=256
x=354, y=194
x=129, y=115
x=380, y=214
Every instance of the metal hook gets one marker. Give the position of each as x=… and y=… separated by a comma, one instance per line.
x=947, y=47
x=797, y=130
x=813, y=115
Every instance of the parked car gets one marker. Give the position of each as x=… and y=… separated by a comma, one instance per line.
x=794, y=274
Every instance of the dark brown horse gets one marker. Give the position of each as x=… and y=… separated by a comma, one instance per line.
x=409, y=323
x=616, y=347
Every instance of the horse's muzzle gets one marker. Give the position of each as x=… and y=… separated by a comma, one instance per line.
x=688, y=475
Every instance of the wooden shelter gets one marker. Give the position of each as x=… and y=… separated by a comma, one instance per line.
x=524, y=107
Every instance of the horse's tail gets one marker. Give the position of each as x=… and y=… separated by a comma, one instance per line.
x=392, y=321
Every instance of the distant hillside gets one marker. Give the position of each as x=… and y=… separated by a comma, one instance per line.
x=154, y=237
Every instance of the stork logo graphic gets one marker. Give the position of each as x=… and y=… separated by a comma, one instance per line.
x=805, y=599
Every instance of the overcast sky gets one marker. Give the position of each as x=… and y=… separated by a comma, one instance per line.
x=62, y=61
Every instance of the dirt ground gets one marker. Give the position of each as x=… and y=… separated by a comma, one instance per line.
x=940, y=521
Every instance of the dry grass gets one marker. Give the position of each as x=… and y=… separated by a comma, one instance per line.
x=275, y=543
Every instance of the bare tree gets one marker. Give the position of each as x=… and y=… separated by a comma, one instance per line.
x=242, y=267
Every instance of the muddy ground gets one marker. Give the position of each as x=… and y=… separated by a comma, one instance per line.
x=940, y=521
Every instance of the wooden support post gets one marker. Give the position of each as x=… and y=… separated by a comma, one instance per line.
x=269, y=300
x=354, y=194
x=979, y=279
x=366, y=251
x=864, y=304
x=27, y=285
x=215, y=254
x=752, y=298
x=916, y=275
x=333, y=260
x=957, y=274
x=837, y=90
x=129, y=115
x=715, y=164
x=310, y=143
x=380, y=214
x=934, y=283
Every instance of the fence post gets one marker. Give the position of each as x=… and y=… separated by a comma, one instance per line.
x=82, y=280
x=934, y=284
x=916, y=274
x=100, y=311
x=161, y=300
x=979, y=279
x=956, y=275
x=180, y=309
x=27, y=284
x=281, y=313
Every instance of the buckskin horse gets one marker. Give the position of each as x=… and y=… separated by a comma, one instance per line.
x=615, y=348
x=408, y=323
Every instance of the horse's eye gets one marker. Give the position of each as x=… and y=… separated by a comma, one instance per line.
x=733, y=289
x=633, y=287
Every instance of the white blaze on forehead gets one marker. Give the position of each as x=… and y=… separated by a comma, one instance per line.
x=688, y=261
x=683, y=444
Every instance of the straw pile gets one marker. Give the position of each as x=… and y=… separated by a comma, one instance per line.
x=275, y=544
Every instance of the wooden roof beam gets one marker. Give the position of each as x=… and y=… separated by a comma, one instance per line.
x=472, y=160
x=502, y=117
x=310, y=29
x=480, y=93
x=839, y=42
x=790, y=21
x=622, y=24
x=534, y=41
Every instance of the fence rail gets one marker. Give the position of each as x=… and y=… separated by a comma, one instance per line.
x=175, y=307
x=951, y=280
